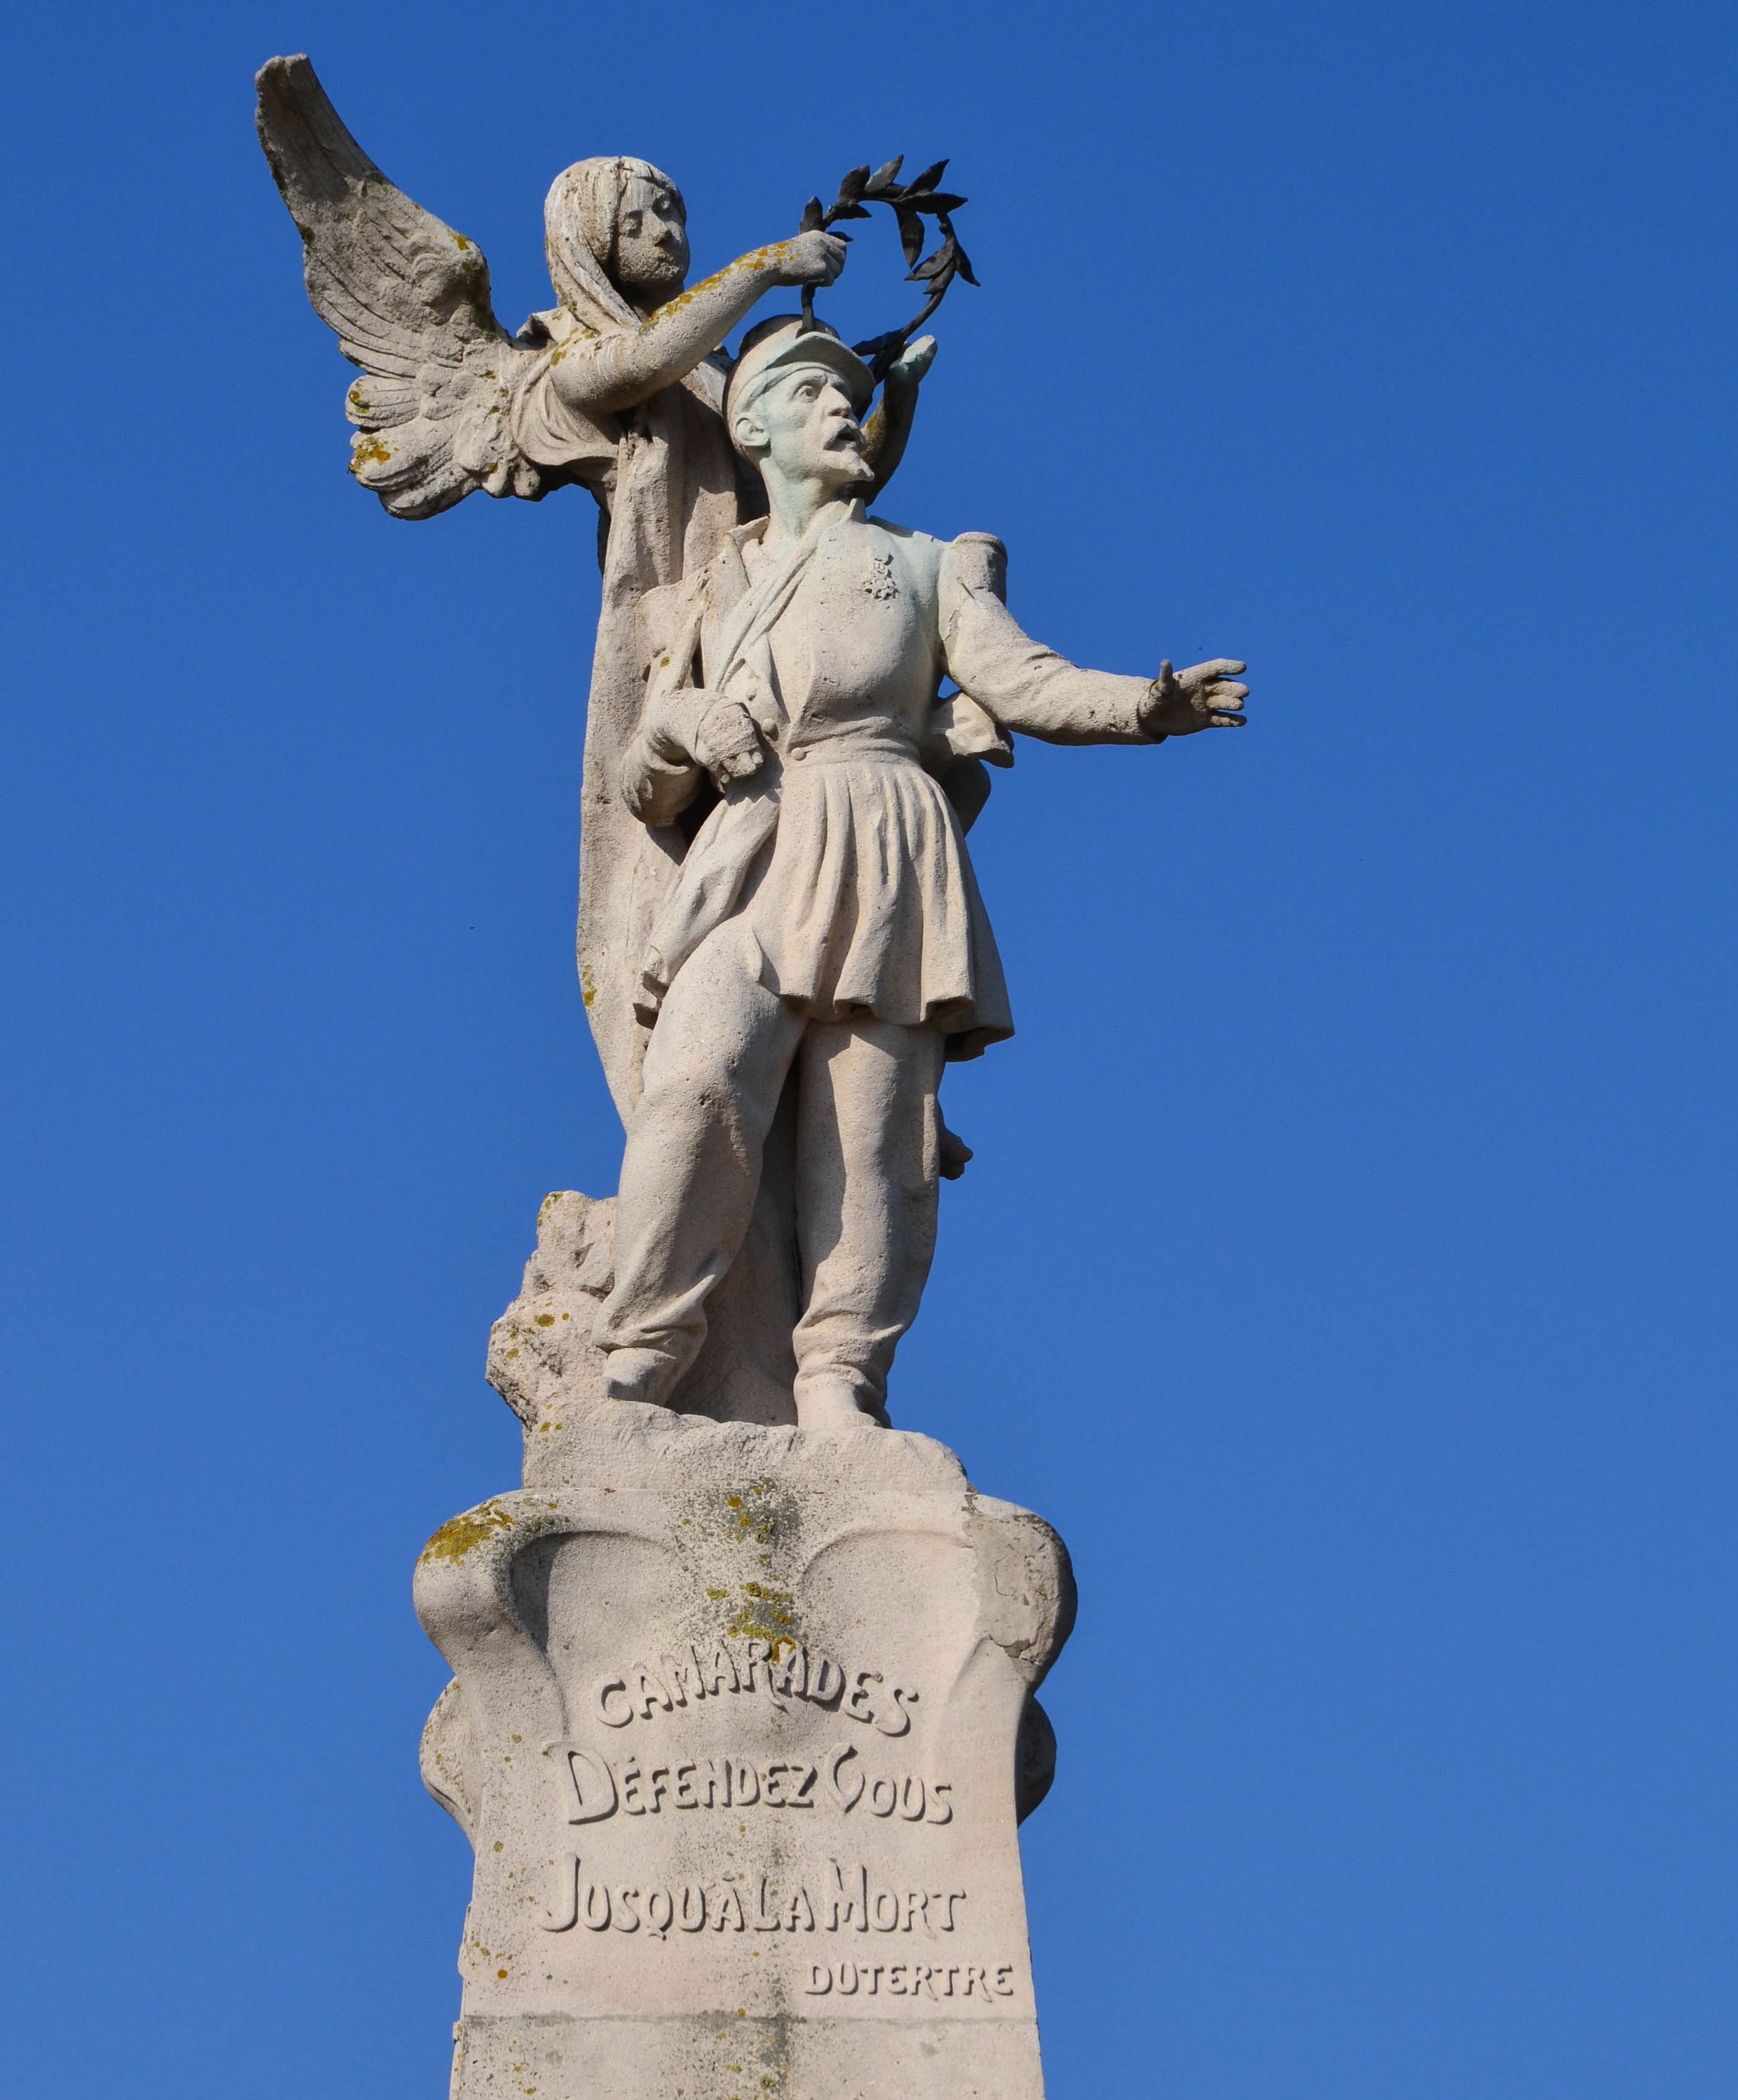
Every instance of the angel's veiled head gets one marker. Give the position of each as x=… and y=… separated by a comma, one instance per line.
x=623, y=221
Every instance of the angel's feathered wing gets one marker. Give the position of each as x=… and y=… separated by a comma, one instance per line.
x=409, y=299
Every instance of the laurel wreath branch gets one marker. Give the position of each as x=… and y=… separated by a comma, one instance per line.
x=911, y=203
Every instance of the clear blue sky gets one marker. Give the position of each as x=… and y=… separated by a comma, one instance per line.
x=1346, y=1268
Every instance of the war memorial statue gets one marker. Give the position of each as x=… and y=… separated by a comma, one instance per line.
x=742, y=1720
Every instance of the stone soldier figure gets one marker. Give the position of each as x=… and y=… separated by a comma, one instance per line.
x=826, y=919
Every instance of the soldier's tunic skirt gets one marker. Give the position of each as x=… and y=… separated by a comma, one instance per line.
x=849, y=869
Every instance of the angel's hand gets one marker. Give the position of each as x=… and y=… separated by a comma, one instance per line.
x=806, y=259
x=911, y=365
x=726, y=742
x=1205, y=696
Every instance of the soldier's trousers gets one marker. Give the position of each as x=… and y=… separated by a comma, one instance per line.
x=865, y=1178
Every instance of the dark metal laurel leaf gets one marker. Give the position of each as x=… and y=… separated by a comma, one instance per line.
x=910, y=232
x=935, y=201
x=854, y=184
x=944, y=258
x=926, y=180
x=884, y=177
x=813, y=215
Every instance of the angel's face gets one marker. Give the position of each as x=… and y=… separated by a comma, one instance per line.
x=651, y=244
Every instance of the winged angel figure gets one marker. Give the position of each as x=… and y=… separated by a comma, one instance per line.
x=618, y=387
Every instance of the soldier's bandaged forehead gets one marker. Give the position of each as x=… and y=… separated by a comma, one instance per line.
x=775, y=375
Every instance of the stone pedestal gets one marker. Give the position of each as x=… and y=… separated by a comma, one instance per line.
x=741, y=1727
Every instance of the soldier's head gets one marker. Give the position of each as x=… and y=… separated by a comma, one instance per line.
x=794, y=405
x=623, y=218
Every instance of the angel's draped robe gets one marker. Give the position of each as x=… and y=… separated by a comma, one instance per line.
x=670, y=490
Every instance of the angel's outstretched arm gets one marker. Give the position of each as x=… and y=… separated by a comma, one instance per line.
x=596, y=373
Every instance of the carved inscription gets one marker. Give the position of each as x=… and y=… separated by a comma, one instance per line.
x=848, y=1901
x=779, y=1670
x=912, y=1979
x=599, y=1787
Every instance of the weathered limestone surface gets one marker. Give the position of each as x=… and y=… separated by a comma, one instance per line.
x=741, y=1727
x=742, y=1719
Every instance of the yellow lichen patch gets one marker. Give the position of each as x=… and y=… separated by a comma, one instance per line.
x=588, y=984
x=368, y=452
x=461, y=1534
x=765, y=1614
x=764, y=1510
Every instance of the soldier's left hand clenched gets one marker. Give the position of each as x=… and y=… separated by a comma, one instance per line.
x=726, y=742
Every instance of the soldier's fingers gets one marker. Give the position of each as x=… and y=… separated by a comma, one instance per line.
x=1221, y=666
x=1227, y=722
